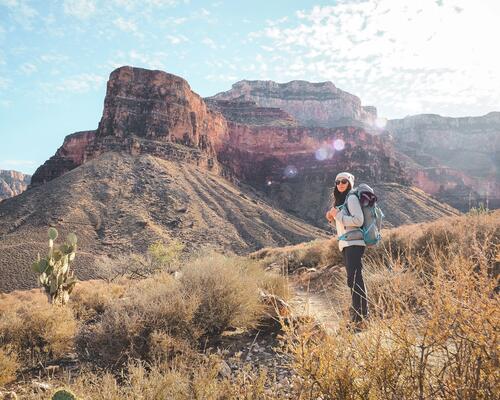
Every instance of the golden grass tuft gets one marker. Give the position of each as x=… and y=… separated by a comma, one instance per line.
x=9, y=365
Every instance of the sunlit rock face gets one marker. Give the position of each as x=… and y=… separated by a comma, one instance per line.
x=149, y=112
x=12, y=183
x=311, y=104
x=159, y=106
x=456, y=159
x=248, y=113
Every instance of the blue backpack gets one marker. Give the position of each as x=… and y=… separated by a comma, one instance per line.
x=372, y=216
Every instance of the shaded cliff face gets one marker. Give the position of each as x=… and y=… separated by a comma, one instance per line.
x=70, y=155
x=296, y=167
x=311, y=104
x=145, y=112
x=12, y=183
x=456, y=159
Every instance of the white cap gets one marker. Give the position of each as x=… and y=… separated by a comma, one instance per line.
x=346, y=175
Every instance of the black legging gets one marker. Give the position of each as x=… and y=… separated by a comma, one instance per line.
x=352, y=260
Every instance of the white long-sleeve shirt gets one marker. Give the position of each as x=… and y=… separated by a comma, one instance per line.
x=345, y=223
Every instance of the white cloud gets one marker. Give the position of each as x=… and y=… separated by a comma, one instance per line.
x=55, y=58
x=21, y=12
x=177, y=39
x=209, y=42
x=397, y=54
x=133, y=4
x=79, y=8
x=152, y=60
x=81, y=83
x=125, y=25
x=4, y=83
x=28, y=68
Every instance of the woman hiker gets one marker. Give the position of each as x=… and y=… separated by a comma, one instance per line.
x=352, y=250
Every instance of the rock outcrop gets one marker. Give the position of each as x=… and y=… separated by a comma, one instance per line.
x=311, y=104
x=456, y=159
x=145, y=111
x=70, y=155
x=248, y=113
x=12, y=183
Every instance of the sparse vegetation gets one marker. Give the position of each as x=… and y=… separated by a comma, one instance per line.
x=36, y=332
x=9, y=365
x=55, y=275
x=215, y=292
x=432, y=333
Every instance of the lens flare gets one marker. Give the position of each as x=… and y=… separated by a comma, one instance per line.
x=338, y=144
x=381, y=123
x=291, y=171
x=321, y=154
x=269, y=182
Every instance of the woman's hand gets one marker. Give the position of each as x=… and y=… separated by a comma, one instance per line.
x=330, y=215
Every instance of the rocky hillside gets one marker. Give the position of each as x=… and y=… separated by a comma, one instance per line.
x=12, y=183
x=155, y=113
x=311, y=104
x=452, y=158
x=118, y=203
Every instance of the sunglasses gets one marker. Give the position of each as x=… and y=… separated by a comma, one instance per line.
x=342, y=181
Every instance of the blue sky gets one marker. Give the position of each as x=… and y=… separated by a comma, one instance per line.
x=404, y=57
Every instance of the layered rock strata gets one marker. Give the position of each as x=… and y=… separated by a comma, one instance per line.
x=145, y=112
x=311, y=104
x=12, y=183
x=456, y=159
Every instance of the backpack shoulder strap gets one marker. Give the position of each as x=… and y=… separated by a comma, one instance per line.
x=352, y=192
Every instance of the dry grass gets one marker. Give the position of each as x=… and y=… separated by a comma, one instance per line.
x=90, y=299
x=214, y=293
x=202, y=380
x=9, y=365
x=432, y=334
x=37, y=331
x=433, y=331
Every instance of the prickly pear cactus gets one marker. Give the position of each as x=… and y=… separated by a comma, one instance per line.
x=63, y=394
x=55, y=275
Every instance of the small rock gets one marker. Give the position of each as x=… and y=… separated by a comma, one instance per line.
x=44, y=386
x=225, y=369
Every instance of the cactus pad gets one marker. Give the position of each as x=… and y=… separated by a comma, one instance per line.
x=63, y=394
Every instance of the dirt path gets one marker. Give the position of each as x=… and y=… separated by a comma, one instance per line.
x=318, y=306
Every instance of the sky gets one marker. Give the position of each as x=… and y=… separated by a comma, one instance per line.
x=403, y=56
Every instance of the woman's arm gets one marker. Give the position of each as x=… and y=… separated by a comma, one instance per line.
x=356, y=218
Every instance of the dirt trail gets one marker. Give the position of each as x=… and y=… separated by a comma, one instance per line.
x=318, y=306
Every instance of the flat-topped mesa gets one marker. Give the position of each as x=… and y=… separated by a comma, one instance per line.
x=159, y=106
x=145, y=111
x=311, y=104
x=248, y=113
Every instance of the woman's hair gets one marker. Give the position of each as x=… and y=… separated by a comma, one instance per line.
x=338, y=197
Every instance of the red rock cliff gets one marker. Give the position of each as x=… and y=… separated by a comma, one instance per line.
x=145, y=112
